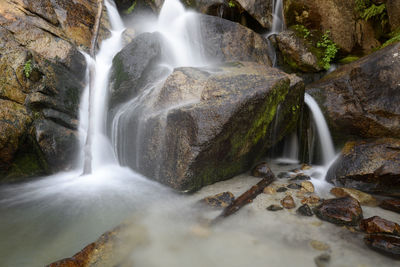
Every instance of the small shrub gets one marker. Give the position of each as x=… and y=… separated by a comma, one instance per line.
x=302, y=30
x=231, y=4
x=28, y=68
x=330, y=49
x=369, y=11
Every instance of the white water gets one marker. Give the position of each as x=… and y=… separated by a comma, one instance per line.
x=325, y=139
x=278, y=25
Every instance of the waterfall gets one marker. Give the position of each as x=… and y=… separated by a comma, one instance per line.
x=181, y=47
x=278, y=25
x=102, y=152
x=325, y=139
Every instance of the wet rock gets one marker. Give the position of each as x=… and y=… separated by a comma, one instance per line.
x=311, y=200
x=318, y=245
x=369, y=166
x=301, y=177
x=360, y=99
x=261, y=170
x=294, y=186
x=208, y=125
x=322, y=260
x=363, y=198
x=305, y=167
x=353, y=33
x=341, y=211
x=107, y=250
x=274, y=208
x=307, y=186
x=269, y=190
x=288, y=202
x=220, y=200
x=385, y=244
x=281, y=189
x=391, y=204
x=282, y=175
x=377, y=224
x=305, y=210
x=229, y=41
x=297, y=52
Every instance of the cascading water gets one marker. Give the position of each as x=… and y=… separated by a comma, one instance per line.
x=181, y=46
x=325, y=139
x=278, y=25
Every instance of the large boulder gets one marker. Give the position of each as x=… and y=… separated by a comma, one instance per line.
x=372, y=166
x=207, y=125
x=347, y=29
x=137, y=63
x=360, y=99
x=42, y=75
x=298, y=52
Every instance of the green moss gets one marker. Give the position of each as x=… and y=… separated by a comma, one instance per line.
x=394, y=38
x=130, y=9
x=28, y=68
x=118, y=72
x=25, y=165
x=231, y=4
x=348, y=59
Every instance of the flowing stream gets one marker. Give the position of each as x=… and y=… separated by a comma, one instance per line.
x=54, y=217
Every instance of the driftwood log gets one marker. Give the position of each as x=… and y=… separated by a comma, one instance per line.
x=247, y=197
x=87, y=168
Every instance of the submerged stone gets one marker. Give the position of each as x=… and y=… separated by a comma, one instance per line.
x=274, y=208
x=322, y=260
x=294, y=186
x=341, y=211
x=288, y=202
x=391, y=204
x=261, y=170
x=281, y=189
x=363, y=198
x=220, y=200
x=377, y=224
x=385, y=244
x=305, y=210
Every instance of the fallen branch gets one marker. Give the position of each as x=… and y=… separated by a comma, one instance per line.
x=247, y=197
x=87, y=167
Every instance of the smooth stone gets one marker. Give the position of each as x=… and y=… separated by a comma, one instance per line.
x=322, y=260
x=301, y=177
x=294, y=186
x=262, y=170
x=305, y=210
x=363, y=198
x=281, y=189
x=288, y=202
x=220, y=200
x=274, y=208
x=269, y=190
x=311, y=200
x=283, y=175
x=308, y=186
x=341, y=211
x=377, y=224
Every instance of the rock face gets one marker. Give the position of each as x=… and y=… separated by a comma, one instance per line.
x=341, y=211
x=229, y=41
x=221, y=125
x=347, y=30
x=360, y=100
x=368, y=166
x=42, y=77
x=393, y=9
x=297, y=52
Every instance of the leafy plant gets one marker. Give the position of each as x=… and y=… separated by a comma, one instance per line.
x=28, y=68
x=231, y=4
x=370, y=11
x=330, y=49
x=394, y=38
x=301, y=29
